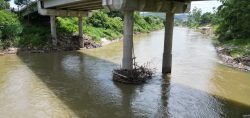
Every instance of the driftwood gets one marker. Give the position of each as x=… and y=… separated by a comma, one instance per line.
x=138, y=75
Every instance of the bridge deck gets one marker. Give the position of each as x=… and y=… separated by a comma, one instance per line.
x=81, y=5
x=86, y=5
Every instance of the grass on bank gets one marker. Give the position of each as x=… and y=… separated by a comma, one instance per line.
x=109, y=25
x=35, y=32
x=238, y=47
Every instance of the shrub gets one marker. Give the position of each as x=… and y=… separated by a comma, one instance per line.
x=10, y=28
x=103, y=24
x=233, y=20
x=101, y=19
x=34, y=35
x=68, y=25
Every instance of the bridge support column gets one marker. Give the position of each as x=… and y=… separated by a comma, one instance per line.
x=53, y=30
x=80, y=26
x=127, y=61
x=167, y=53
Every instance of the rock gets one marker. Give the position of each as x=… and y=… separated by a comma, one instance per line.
x=242, y=63
x=65, y=43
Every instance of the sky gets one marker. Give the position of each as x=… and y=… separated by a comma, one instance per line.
x=205, y=6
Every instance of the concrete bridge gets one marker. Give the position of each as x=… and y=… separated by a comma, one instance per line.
x=82, y=8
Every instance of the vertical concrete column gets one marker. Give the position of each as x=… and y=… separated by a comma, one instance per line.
x=127, y=61
x=167, y=53
x=53, y=30
x=80, y=26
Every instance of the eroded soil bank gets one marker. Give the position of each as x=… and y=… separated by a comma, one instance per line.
x=65, y=43
x=242, y=62
x=224, y=51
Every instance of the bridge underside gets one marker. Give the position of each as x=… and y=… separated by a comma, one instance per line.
x=124, y=5
x=79, y=5
x=80, y=8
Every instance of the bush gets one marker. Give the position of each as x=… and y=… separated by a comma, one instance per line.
x=4, y=4
x=101, y=19
x=233, y=20
x=140, y=25
x=10, y=28
x=103, y=24
x=68, y=25
x=34, y=35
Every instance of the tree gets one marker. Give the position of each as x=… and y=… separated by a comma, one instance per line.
x=4, y=4
x=234, y=19
x=207, y=18
x=194, y=17
x=21, y=3
x=18, y=3
x=10, y=28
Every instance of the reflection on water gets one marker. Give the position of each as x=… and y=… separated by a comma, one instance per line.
x=79, y=84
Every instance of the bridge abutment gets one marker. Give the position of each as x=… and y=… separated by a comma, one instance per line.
x=127, y=61
x=53, y=30
x=167, y=52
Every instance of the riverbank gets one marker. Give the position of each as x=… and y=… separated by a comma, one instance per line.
x=65, y=43
x=76, y=84
x=102, y=28
x=236, y=55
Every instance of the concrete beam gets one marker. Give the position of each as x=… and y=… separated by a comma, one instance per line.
x=56, y=12
x=54, y=3
x=147, y=5
x=82, y=4
x=127, y=61
x=92, y=6
x=167, y=53
x=87, y=9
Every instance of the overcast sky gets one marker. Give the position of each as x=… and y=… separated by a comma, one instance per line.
x=206, y=6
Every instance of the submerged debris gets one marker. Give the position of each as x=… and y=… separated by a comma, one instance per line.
x=139, y=75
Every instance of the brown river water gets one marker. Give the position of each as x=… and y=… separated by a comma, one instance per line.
x=79, y=84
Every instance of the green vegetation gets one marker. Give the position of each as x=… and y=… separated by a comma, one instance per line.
x=197, y=19
x=238, y=47
x=34, y=35
x=230, y=22
x=103, y=24
x=233, y=26
x=30, y=32
x=4, y=4
x=234, y=20
x=10, y=28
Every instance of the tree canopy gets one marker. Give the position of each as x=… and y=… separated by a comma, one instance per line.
x=234, y=19
x=4, y=4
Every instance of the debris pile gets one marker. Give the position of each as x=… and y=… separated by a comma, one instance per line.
x=138, y=75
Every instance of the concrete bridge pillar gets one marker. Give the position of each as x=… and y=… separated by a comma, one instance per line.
x=53, y=30
x=127, y=61
x=80, y=26
x=167, y=53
